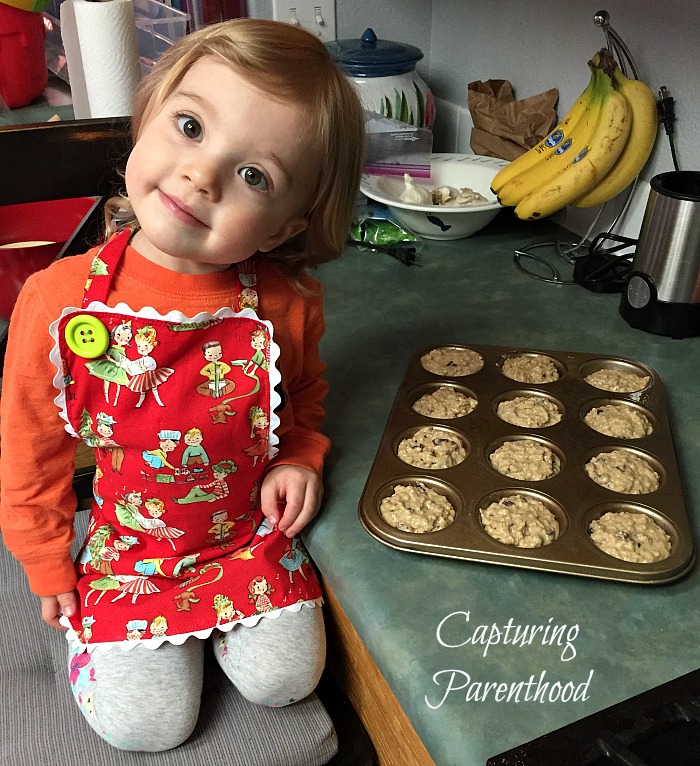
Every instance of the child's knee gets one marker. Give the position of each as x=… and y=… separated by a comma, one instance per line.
x=279, y=660
x=125, y=722
x=279, y=689
x=142, y=699
x=147, y=733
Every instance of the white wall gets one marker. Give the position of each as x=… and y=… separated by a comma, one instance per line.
x=406, y=21
x=540, y=44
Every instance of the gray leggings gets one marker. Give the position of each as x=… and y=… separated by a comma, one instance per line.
x=276, y=662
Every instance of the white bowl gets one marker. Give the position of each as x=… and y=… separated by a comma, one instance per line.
x=441, y=221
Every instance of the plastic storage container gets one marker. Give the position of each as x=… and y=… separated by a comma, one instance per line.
x=158, y=26
x=23, y=72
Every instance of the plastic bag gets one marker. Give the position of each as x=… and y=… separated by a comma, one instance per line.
x=395, y=148
x=373, y=229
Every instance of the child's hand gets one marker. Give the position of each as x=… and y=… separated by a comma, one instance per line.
x=52, y=607
x=290, y=497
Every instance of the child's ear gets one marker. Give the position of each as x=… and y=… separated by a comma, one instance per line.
x=288, y=230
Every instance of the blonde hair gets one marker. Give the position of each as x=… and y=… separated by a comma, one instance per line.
x=149, y=334
x=292, y=65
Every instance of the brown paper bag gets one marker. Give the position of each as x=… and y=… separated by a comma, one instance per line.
x=505, y=127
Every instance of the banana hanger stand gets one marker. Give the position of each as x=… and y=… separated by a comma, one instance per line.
x=613, y=268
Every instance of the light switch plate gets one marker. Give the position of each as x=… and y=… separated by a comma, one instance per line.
x=318, y=16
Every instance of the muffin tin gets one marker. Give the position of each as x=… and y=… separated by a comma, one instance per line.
x=571, y=495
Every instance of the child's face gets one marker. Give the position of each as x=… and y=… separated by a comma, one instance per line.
x=220, y=172
x=258, y=342
x=144, y=346
x=122, y=335
x=213, y=353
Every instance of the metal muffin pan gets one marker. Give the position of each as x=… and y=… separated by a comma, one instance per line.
x=573, y=498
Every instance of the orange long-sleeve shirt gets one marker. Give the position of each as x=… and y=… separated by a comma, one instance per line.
x=37, y=503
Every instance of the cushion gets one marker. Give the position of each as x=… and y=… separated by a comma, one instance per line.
x=42, y=726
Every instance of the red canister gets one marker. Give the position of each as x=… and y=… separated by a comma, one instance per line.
x=23, y=72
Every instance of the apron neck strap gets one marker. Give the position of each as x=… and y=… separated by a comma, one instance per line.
x=104, y=266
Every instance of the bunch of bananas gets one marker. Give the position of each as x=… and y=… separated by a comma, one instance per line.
x=592, y=155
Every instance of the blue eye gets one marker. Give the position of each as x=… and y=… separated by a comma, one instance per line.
x=189, y=127
x=254, y=177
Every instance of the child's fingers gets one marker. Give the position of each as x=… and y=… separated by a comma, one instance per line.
x=300, y=512
x=270, y=501
x=52, y=607
x=290, y=498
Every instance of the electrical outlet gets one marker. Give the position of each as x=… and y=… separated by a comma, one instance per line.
x=318, y=16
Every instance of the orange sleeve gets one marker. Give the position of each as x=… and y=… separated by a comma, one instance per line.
x=37, y=502
x=298, y=330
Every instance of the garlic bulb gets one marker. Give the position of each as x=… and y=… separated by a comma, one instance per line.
x=443, y=194
x=415, y=195
x=465, y=196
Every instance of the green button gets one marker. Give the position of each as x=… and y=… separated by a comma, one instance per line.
x=86, y=336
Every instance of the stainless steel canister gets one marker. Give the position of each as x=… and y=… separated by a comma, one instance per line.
x=668, y=250
x=662, y=294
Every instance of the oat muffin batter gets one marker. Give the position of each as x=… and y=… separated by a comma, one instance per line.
x=445, y=403
x=454, y=362
x=622, y=471
x=530, y=369
x=416, y=508
x=529, y=412
x=618, y=381
x=521, y=521
x=525, y=459
x=432, y=448
x=633, y=537
x=619, y=420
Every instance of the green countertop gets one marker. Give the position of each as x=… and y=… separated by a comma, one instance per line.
x=54, y=101
x=626, y=638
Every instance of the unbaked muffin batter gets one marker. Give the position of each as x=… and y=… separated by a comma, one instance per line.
x=525, y=459
x=454, y=362
x=432, y=448
x=618, y=381
x=445, y=403
x=529, y=412
x=633, y=537
x=521, y=521
x=534, y=368
x=417, y=508
x=623, y=471
x=619, y=420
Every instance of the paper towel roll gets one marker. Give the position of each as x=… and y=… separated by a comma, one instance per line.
x=102, y=55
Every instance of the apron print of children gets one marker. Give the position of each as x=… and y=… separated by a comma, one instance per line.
x=178, y=544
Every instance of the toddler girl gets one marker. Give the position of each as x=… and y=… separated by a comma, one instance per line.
x=247, y=152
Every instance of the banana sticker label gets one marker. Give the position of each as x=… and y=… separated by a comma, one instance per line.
x=554, y=139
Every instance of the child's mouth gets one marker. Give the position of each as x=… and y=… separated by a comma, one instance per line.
x=179, y=210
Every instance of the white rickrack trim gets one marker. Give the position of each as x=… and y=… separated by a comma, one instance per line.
x=153, y=643
x=149, y=312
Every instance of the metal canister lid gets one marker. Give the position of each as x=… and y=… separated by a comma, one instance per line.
x=372, y=57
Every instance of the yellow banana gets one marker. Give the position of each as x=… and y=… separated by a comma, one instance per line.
x=548, y=144
x=638, y=147
x=547, y=167
x=589, y=166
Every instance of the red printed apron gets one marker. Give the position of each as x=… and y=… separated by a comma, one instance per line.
x=180, y=411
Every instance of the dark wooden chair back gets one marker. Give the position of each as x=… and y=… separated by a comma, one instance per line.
x=64, y=160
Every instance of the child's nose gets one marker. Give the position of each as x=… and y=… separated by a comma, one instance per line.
x=203, y=174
